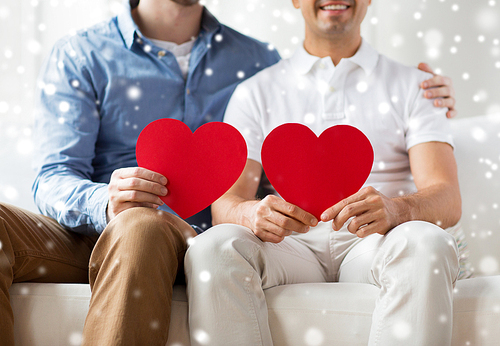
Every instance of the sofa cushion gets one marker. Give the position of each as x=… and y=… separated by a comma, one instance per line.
x=301, y=314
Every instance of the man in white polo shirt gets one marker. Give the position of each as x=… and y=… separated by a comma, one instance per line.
x=389, y=234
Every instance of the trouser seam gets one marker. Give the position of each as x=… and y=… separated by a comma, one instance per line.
x=252, y=309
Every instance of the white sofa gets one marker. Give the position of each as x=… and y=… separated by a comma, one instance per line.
x=331, y=313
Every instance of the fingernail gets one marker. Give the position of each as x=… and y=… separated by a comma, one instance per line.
x=163, y=180
x=426, y=85
x=428, y=94
x=164, y=191
x=439, y=102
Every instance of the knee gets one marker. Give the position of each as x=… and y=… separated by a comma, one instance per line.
x=221, y=243
x=426, y=241
x=146, y=227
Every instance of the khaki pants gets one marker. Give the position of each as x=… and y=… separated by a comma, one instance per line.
x=131, y=269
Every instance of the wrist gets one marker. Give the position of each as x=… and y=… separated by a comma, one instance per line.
x=247, y=213
x=403, y=211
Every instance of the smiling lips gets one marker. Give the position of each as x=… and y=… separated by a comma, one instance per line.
x=334, y=7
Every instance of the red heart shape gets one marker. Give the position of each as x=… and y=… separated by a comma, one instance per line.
x=200, y=166
x=314, y=173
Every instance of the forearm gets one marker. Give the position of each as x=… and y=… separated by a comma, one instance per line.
x=439, y=204
x=77, y=204
x=231, y=208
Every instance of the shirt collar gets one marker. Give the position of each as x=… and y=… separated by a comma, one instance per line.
x=130, y=31
x=366, y=57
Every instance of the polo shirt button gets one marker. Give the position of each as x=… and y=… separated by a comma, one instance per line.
x=322, y=66
x=332, y=89
x=161, y=53
x=188, y=91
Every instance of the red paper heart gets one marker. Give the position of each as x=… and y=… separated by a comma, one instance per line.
x=314, y=173
x=200, y=166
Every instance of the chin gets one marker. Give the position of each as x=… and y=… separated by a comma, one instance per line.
x=186, y=2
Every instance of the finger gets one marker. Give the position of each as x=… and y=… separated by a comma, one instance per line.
x=451, y=113
x=445, y=103
x=351, y=210
x=139, y=184
x=143, y=173
x=267, y=236
x=425, y=67
x=360, y=221
x=372, y=228
x=436, y=81
x=295, y=213
x=284, y=223
x=443, y=91
x=137, y=197
x=332, y=212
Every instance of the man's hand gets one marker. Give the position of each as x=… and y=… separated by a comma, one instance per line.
x=440, y=89
x=134, y=187
x=273, y=219
x=372, y=212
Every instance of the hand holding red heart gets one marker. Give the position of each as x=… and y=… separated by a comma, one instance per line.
x=134, y=187
x=372, y=212
x=273, y=219
x=199, y=166
x=311, y=173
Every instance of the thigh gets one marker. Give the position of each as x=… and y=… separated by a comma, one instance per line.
x=357, y=264
x=38, y=249
x=236, y=247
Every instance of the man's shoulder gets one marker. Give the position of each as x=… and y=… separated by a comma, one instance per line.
x=247, y=45
x=265, y=81
x=90, y=38
x=403, y=71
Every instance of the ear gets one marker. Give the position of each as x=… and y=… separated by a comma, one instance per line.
x=296, y=3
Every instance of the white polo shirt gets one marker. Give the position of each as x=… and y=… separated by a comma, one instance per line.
x=377, y=95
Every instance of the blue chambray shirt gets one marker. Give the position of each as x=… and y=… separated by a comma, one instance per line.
x=99, y=88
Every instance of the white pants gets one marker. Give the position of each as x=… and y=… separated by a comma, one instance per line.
x=415, y=265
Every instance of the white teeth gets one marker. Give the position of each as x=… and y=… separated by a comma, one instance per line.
x=335, y=7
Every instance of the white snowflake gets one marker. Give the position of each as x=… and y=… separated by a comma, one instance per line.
x=75, y=338
x=488, y=265
x=201, y=336
x=134, y=93
x=205, y=276
x=402, y=330
x=64, y=106
x=314, y=337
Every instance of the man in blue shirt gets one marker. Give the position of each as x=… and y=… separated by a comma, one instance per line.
x=106, y=222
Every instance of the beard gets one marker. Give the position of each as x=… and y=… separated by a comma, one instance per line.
x=186, y=2
x=134, y=3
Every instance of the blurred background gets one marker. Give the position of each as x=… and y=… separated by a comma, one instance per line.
x=458, y=38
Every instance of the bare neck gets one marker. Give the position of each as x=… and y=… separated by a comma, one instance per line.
x=167, y=20
x=336, y=48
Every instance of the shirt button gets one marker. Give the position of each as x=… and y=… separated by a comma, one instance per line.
x=332, y=89
x=188, y=91
x=322, y=66
x=161, y=53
